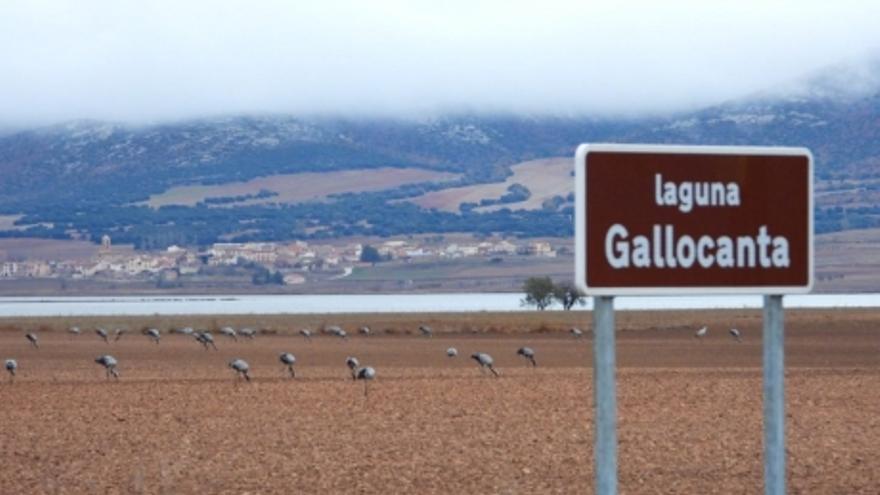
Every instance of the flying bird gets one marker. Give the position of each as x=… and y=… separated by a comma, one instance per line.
x=32, y=338
x=366, y=374
x=229, y=332
x=248, y=333
x=576, y=332
x=699, y=334
x=426, y=330
x=352, y=363
x=241, y=368
x=103, y=334
x=109, y=363
x=11, y=366
x=154, y=334
x=485, y=361
x=528, y=353
x=452, y=352
x=735, y=334
x=288, y=360
x=305, y=332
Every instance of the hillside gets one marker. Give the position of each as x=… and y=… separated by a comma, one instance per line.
x=84, y=179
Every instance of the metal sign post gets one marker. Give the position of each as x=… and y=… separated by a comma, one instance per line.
x=653, y=220
x=605, y=451
x=774, y=397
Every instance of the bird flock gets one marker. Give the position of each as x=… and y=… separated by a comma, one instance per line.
x=484, y=361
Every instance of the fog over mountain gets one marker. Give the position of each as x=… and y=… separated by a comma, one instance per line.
x=164, y=61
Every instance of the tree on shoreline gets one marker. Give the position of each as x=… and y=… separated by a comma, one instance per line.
x=539, y=292
x=568, y=295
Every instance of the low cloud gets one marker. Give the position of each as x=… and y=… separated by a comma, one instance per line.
x=147, y=61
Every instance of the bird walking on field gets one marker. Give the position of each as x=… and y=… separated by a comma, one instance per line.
x=118, y=333
x=229, y=332
x=288, y=360
x=699, y=334
x=426, y=331
x=528, y=353
x=305, y=332
x=365, y=331
x=353, y=364
x=187, y=331
x=73, y=331
x=206, y=339
x=154, y=335
x=366, y=374
x=452, y=352
x=103, y=334
x=109, y=363
x=11, y=366
x=735, y=334
x=485, y=361
x=248, y=333
x=32, y=338
x=337, y=331
x=576, y=332
x=241, y=368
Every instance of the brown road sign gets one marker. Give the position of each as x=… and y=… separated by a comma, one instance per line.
x=693, y=219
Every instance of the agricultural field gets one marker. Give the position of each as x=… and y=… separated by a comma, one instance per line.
x=179, y=421
x=544, y=178
x=301, y=187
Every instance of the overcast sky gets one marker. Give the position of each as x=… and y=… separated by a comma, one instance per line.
x=158, y=60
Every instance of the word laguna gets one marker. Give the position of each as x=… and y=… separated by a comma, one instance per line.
x=689, y=194
x=662, y=249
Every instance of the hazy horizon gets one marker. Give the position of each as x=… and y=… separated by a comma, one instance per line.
x=142, y=64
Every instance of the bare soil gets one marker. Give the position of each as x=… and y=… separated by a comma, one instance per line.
x=296, y=188
x=544, y=178
x=178, y=421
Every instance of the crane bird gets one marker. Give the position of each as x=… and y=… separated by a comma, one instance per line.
x=699, y=334
x=241, y=368
x=32, y=338
x=109, y=363
x=735, y=334
x=103, y=334
x=288, y=360
x=229, y=332
x=206, y=339
x=576, y=332
x=73, y=331
x=426, y=330
x=154, y=334
x=353, y=364
x=485, y=361
x=11, y=366
x=452, y=352
x=365, y=331
x=338, y=331
x=118, y=333
x=249, y=333
x=305, y=332
x=187, y=331
x=528, y=353
x=366, y=374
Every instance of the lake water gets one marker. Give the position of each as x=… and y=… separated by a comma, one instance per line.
x=381, y=303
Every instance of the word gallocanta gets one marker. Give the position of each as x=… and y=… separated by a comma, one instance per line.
x=663, y=249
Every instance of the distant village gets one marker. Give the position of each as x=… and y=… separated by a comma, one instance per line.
x=290, y=263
